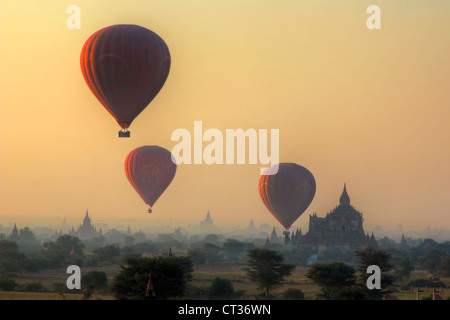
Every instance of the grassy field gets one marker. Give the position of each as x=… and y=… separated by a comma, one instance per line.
x=47, y=278
x=204, y=276
x=202, y=279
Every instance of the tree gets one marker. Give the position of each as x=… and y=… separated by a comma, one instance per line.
x=7, y=284
x=404, y=268
x=128, y=252
x=235, y=249
x=109, y=253
x=396, y=254
x=213, y=253
x=351, y=293
x=61, y=289
x=208, y=253
x=297, y=254
x=293, y=294
x=34, y=287
x=420, y=250
x=10, y=257
x=97, y=279
x=267, y=269
x=444, y=267
x=27, y=241
x=198, y=255
x=65, y=250
x=221, y=289
x=145, y=247
x=332, y=278
x=431, y=260
x=91, y=244
x=93, y=281
x=370, y=256
x=169, y=276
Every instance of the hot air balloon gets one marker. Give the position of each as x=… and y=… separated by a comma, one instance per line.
x=150, y=170
x=125, y=66
x=288, y=192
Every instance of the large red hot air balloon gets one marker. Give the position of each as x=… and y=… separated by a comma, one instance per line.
x=125, y=66
x=288, y=192
x=150, y=170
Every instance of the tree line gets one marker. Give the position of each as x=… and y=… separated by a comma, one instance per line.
x=211, y=251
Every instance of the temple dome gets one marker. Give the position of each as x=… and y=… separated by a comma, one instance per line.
x=87, y=220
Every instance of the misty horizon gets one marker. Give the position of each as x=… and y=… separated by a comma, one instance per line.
x=157, y=226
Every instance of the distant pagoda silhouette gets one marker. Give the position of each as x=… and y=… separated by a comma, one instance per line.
x=14, y=236
x=86, y=230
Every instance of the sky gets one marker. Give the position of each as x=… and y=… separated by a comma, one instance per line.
x=369, y=108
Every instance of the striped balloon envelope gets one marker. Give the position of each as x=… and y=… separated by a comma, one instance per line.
x=125, y=66
x=150, y=170
x=288, y=192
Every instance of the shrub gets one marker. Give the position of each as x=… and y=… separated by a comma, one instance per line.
x=221, y=289
x=293, y=294
x=7, y=284
x=33, y=287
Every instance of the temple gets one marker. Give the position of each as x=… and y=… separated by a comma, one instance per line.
x=86, y=230
x=14, y=236
x=208, y=222
x=342, y=227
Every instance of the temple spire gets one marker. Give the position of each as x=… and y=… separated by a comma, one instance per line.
x=345, y=199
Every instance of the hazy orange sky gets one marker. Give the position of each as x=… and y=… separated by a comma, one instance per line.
x=369, y=108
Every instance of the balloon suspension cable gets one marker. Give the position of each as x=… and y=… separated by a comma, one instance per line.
x=124, y=133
